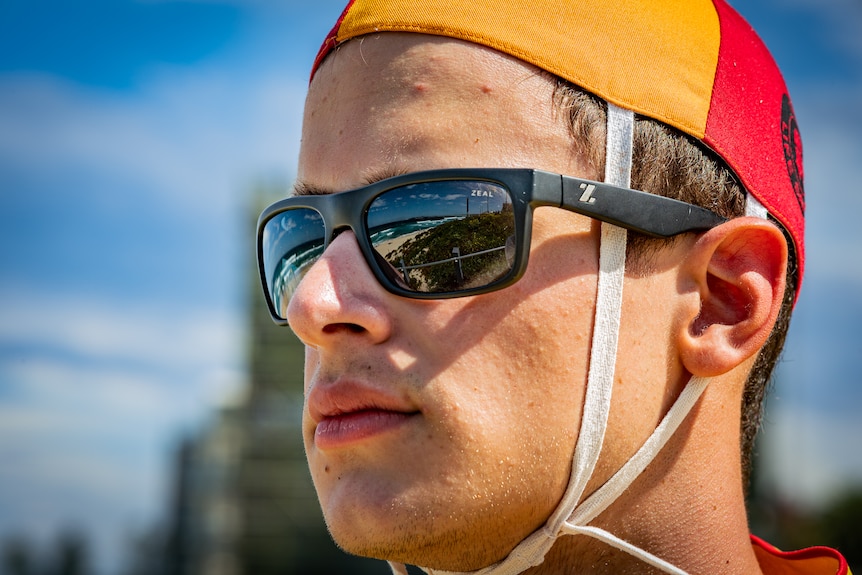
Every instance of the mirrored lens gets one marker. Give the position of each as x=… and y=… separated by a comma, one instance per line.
x=437, y=237
x=292, y=242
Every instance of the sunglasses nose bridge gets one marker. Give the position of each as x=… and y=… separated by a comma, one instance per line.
x=343, y=215
x=337, y=231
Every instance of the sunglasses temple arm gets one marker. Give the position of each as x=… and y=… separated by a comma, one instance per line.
x=642, y=212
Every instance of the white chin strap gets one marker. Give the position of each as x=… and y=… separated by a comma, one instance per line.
x=570, y=518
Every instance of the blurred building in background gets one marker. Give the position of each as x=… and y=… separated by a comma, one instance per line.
x=243, y=502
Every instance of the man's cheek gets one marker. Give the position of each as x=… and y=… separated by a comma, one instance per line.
x=311, y=366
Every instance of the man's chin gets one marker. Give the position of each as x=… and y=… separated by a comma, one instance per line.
x=405, y=543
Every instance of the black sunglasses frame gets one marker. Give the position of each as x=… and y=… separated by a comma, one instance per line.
x=642, y=212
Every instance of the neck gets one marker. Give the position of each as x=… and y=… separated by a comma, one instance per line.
x=687, y=508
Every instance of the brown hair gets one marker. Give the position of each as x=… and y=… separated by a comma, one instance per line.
x=669, y=163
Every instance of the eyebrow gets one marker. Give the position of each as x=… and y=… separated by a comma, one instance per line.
x=384, y=173
x=302, y=188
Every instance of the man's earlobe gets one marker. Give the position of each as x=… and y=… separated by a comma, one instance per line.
x=738, y=269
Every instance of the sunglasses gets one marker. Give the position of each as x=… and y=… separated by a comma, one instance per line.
x=447, y=233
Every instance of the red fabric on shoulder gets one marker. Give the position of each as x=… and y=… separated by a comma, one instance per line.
x=811, y=561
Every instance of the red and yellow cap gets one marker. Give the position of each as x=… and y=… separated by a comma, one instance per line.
x=695, y=65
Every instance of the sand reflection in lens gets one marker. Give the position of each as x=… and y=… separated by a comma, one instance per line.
x=443, y=236
x=292, y=241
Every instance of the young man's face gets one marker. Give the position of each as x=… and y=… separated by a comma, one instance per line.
x=440, y=432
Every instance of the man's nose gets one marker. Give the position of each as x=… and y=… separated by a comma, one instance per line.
x=340, y=297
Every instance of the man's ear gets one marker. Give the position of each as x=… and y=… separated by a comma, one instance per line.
x=738, y=271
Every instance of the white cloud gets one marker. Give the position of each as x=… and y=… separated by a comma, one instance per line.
x=193, y=138
x=71, y=395
x=110, y=374
x=162, y=339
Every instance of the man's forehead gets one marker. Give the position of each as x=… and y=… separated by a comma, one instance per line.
x=401, y=59
x=388, y=101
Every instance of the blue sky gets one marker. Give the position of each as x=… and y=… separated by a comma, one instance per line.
x=131, y=134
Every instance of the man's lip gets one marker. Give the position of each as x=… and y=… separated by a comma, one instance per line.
x=347, y=411
x=349, y=428
x=345, y=398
